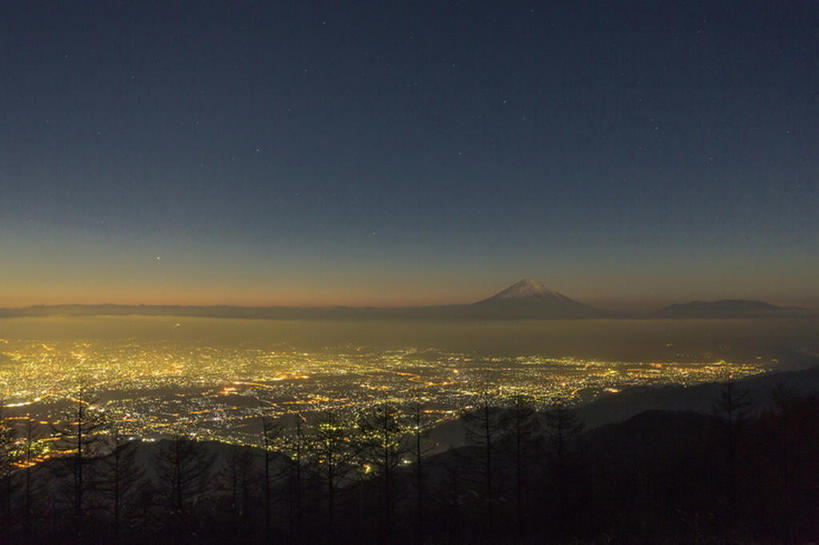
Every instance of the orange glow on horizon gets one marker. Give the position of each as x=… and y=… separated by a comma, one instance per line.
x=295, y=299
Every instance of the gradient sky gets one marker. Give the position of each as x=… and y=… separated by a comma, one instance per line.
x=407, y=152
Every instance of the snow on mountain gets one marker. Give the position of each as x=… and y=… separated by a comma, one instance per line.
x=527, y=287
x=530, y=299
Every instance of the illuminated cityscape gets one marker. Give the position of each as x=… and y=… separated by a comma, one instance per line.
x=221, y=392
x=409, y=273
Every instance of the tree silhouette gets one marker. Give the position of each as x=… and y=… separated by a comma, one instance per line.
x=238, y=478
x=119, y=475
x=297, y=444
x=270, y=432
x=520, y=425
x=28, y=490
x=335, y=449
x=732, y=408
x=483, y=430
x=183, y=468
x=653, y=482
x=7, y=459
x=382, y=446
x=419, y=425
x=78, y=433
x=563, y=429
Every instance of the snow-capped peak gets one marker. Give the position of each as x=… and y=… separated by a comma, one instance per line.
x=527, y=287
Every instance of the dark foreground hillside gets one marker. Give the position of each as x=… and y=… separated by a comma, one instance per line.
x=738, y=475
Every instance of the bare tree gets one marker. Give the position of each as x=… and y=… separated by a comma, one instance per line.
x=382, y=444
x=335, y=450
x=483, y=429
x=183, y=468
x=78, y=432
x=732, y=409
x=270, y=431
x=239, y=477
x=297, y=444
x=419, y=425
x=120, y=474
x=28, y=458
x=520, y=425
x=563, y=428
x=7, y=458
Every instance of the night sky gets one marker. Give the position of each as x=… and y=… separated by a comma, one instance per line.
x=407, y=152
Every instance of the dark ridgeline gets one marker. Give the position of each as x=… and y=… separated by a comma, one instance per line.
x=746, y=473
x=525, y=300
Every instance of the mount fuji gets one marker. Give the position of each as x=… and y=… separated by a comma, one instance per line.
x=530, y=298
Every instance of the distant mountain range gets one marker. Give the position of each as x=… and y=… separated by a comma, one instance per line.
x=526, y=300
x=726, y=308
